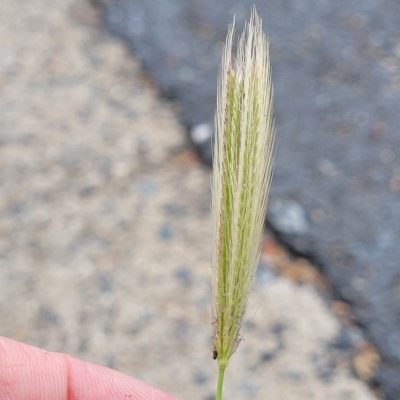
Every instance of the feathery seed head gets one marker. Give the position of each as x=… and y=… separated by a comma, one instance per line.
x=242, y=172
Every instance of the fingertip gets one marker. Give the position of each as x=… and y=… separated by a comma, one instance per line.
x=102, y=383
x=27, y=372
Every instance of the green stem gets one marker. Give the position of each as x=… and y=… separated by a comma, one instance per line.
x=220, y=383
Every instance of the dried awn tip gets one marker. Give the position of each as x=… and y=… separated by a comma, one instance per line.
x=242, y=173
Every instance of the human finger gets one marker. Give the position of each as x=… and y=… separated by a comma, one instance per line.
x=30, y=373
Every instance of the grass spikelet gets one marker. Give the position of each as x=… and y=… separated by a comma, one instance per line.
x=242, y=172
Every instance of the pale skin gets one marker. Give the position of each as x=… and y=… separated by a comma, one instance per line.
x=30, y=373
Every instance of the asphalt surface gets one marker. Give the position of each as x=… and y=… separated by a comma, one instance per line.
x=336, y=75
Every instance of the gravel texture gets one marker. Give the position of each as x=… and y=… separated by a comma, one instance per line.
x=105, y=229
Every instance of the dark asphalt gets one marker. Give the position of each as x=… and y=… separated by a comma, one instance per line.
x=336, y=74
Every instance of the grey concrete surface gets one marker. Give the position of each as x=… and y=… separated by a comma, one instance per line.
x=336, y=73
x=105, y=229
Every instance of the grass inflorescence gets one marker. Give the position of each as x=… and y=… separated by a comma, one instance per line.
x=242, y=172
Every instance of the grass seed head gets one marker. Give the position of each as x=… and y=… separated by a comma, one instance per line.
x=242, y=172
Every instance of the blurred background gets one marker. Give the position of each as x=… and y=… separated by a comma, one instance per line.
x=105, y=191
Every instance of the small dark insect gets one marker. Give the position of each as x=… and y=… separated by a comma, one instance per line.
x=215, y=354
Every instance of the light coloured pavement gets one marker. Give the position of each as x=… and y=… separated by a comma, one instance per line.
x=105, y=227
